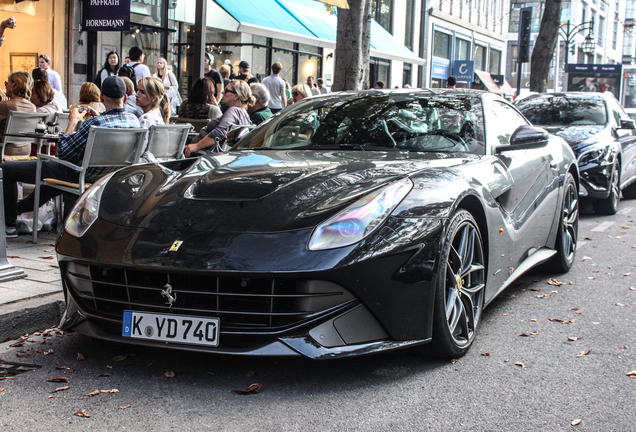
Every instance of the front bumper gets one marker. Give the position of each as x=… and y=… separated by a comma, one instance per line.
x=352, y=301
x=596, y=180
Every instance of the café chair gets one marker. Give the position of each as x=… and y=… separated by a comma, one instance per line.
x=61, y=118
x=197, y=124
x=108, y=148
x=166, y=142
x=17, y=122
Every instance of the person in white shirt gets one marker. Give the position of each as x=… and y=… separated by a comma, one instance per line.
x=153, y=100
x=276, y=86
x=170, y=83
x=311, y=84
x=321, y=87
x=54, y=78
x=136, y=55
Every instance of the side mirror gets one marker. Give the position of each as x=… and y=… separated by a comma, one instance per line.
x=627, y=124
x=524, y=138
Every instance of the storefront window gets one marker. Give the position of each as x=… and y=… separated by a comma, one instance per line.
x=408, y=25
x=147, y=12
x=379, y=70
x=441, y=45
x=495, y=61
x=462, y=49
x=480, y=57
x=381, y=11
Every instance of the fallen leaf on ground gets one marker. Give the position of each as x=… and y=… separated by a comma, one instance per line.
x=536, y=332
x=520, y=364
x=47, y=352
x=82, y=414
x=58, y=379
x=48, y=250
x=631, y=374
x=573, y=338
x=530, y=304
x=109, y=391
x=623, y=347
x=65, y=368
x=632, y=288
x=253, y=389
x=26, y=353
x=584, y=353
x=105, y=375
x=125, y=406
x=626, y=274
x=453, y=361
x=535, y=289
x=17, y=256
x=555, y=282
x=486, y=354
x=7, y=377
x=55, y=266
x=119, y=358
x=504, y=314
x=61, y=389
x=576, y=422
x=2, y=389
x=595, y=271
x=562, y=321
x=169, y=374
x=80, y=357
x=94, y=393
x=17, y=344
x=47, y=257
x=524, y=334
x=591, y=277
x=620, y=304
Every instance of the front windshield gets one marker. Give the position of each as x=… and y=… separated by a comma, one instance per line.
x=563, y=111
x=376, y=121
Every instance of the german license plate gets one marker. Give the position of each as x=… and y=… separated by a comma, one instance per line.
x=171, y=328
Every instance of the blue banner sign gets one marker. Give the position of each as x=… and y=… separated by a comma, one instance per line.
x=106, y=15
x=464, y=70
x=439, y=71
x=594, y=68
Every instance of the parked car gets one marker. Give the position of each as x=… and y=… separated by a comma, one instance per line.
x=347, y=224
x=602, y=136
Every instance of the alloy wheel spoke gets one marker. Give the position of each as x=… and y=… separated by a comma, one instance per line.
x=467, y=246
x=458, y=307
x=469, y=310
x=450, y=302
x=472, y=269
x=473, y=289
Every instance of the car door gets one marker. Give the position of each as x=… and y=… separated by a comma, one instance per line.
x=627, y=140
x=530, y=204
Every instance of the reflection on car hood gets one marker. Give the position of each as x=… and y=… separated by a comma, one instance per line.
x=574, y=135
x=256, y=191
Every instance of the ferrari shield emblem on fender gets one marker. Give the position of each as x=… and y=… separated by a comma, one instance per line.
x=175, y=246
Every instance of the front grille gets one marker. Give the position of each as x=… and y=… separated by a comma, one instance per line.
x=243, y=304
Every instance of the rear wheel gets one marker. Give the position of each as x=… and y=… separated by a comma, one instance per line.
x=568, y=228
x=609, y=205
x=459, y=297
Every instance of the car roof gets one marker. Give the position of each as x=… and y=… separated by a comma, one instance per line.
x=579, y=95
x=418, y=92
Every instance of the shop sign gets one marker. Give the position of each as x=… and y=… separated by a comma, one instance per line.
x=464, y=70
x=106, y=15
x=439, y=71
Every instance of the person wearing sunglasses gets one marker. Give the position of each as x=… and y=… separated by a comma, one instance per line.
x=299, y=92
x=238, y=97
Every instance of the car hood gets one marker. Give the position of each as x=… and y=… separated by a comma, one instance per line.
x=580, y=137
x=256, y=191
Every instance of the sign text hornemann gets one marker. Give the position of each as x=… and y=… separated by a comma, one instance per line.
x=106, y=15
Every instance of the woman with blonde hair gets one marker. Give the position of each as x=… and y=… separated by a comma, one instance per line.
x=42, y=98
x=170, y=83
x=298, y=93
x=19, y=86
x=90, y=95
x=237, y=96
x=153, y=100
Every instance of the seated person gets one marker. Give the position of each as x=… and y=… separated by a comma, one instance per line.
x=153, y=100
x=131, y=99
x=238, y=97
x=19, y=87
x=69, y=148
x=42, y=98
x=260, y=111
x=90, y=96
x=201, y=103
x=40, y=74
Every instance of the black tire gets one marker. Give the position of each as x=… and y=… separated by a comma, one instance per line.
x=609, y=205
x=630, y=191
x=567, y=236
x=459, y=295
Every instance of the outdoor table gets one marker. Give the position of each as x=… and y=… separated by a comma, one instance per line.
x=39, y=138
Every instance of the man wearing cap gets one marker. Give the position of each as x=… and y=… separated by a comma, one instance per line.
x=244, y=71
x=214, y=75
x=70, y=148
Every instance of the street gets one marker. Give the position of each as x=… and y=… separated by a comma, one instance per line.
x=548, y=357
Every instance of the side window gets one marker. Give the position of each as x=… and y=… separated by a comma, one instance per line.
x=617, y=113
x=504, y=121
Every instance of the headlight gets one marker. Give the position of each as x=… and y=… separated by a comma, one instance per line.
x=593, y=154
x=360, y=219
x=86, y=209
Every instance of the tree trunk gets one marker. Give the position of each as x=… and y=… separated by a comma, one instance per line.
x=544, y=46
x=353, y=41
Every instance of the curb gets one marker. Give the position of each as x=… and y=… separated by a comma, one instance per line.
x=28, y=316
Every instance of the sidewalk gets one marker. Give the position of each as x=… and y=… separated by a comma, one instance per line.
x=35, y=302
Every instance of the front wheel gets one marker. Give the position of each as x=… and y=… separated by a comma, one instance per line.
x=609, y=205
x=459, y=296
x=568, y=228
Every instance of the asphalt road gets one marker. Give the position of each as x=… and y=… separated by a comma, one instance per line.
x=507, y=382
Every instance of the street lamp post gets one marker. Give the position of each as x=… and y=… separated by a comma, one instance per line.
x=588, y=46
